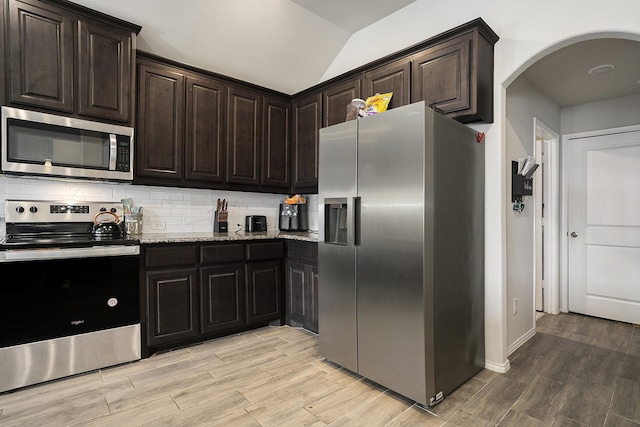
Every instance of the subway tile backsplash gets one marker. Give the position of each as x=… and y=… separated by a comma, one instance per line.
x=165, y=209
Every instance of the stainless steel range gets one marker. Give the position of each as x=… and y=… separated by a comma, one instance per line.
x=69, y=294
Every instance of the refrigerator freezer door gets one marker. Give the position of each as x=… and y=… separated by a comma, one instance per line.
x=390, y=265
x=336, y=251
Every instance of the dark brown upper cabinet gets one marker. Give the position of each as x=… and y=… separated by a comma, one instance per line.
x=335, y=99
x=307, y=121
x=40, y=56
x=45, y=40
x=456, y=76
x=160, y=127
x=276, y=142
x=441, y=75
x=244, y=136
x=104, y=77
x=205, y=124
x=393, y=77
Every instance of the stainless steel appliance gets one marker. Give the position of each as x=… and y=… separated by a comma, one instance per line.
x=293, y=217
x=35, y=143
x=401, y=250
x=69, y=294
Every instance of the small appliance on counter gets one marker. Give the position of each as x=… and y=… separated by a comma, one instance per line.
x=253, y=223
x=293, y=217
x=293, y=214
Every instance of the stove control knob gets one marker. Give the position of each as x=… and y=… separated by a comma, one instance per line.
x=20, y=209
x=103, y=209
x=113, y=210
x=33, y=209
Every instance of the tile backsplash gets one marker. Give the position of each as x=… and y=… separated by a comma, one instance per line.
x=165, y=209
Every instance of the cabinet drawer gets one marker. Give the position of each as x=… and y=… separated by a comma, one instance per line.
x=263, y=251
x=170, y=256
x=221, y=253
x=307, y=252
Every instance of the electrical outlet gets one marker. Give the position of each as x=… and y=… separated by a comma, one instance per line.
x=515, y=306
x=157, y=225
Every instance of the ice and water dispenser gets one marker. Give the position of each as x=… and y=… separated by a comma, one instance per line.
x=335, y=217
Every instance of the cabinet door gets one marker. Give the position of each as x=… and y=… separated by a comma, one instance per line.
x=172, y=306
x=441, y=75
x=104, y=73
x=276, y=143
x=336, y=98
x=311, y=319
x=222, y=298
x=263, y=291
x=296, y=292
x=160, y=122
x=40, y=56
x=307, y=121
x=243, y=136
x=204, y=138
x=394, y=77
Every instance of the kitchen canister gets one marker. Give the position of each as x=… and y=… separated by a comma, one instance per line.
x=133, y=223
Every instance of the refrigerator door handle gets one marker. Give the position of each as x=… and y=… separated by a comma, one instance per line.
x=357, y=202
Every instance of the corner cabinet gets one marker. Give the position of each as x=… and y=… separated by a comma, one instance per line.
x=45, y=40
x=302, y=285
x=198, y=291
x=307, y=121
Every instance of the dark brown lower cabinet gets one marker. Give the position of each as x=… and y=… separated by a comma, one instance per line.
x=172, y=306
x=264, y=281
x=195, y=292
x=302, y=285
x=222, y=298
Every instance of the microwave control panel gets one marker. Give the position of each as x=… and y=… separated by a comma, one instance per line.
x=123, y=157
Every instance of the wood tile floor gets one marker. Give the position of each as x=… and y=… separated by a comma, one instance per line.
x=576, y=371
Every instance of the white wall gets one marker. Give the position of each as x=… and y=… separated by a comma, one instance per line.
x=527, y=31
x=617, y=112
x=523, y=102
x=169, y=210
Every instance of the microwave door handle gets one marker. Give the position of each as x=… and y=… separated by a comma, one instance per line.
x=113, y=151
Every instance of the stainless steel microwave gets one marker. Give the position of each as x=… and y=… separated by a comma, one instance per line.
x=35, y=143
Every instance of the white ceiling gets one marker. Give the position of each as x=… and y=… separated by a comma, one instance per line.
x=353, y=15
x=563, y=75
x=287, y=45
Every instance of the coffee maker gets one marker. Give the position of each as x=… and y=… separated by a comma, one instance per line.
x=293, y=217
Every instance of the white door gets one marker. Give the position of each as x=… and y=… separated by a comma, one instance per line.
x=604, y=225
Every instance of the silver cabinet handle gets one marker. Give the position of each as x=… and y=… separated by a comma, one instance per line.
x=574, y=234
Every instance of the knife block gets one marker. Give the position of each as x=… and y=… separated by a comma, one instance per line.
x=220, y=224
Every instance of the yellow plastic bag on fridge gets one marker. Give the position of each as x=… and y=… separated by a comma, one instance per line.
x=377, y=103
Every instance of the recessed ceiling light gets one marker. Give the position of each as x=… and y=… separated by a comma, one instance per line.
x=601, y=69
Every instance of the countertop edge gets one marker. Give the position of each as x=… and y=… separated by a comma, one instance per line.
x=157, y=238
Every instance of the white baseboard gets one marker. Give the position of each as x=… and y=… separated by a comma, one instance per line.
x=523, y=339
x=500, y=368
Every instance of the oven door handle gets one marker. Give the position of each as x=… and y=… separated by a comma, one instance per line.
x=67, y=253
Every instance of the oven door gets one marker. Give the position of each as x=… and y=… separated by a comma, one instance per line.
x=51, y=293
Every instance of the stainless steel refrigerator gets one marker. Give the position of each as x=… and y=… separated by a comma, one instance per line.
x=401, y=250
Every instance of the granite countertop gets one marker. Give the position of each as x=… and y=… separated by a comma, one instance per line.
x=150, y=238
